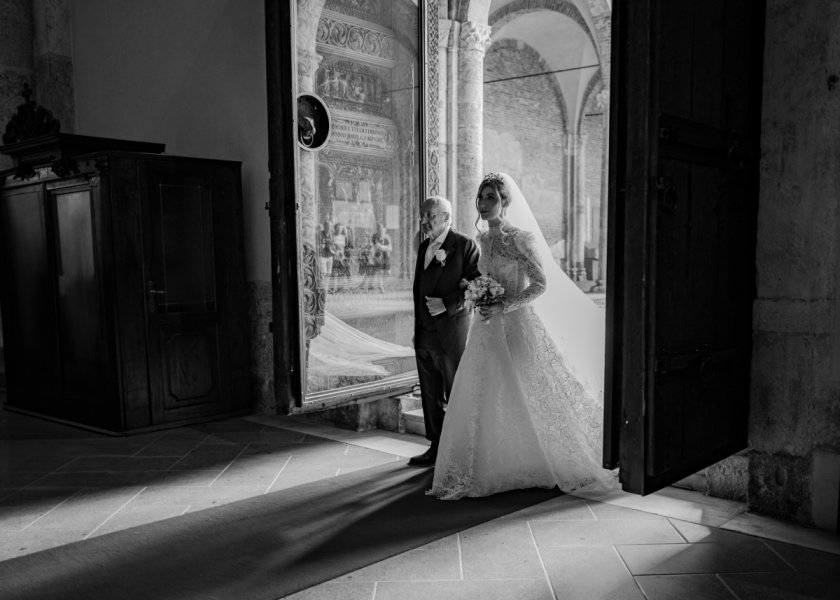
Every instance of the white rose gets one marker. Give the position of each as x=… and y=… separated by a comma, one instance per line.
x=440, y=256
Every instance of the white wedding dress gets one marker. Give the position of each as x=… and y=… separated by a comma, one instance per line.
x=520, y=414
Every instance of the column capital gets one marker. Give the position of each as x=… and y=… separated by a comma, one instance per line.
x=444, y=27
x=602, y=99
x=475, y=36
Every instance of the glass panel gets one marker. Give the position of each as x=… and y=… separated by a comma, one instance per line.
x=184, y=256
x=545, y=123
x=359, y=187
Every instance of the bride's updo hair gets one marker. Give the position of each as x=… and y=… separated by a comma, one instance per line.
x=495, y=181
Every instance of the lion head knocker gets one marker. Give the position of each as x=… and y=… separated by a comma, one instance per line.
x=306, y=131
x=313, y=122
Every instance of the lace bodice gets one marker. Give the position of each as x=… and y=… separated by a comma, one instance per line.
x=509, y=256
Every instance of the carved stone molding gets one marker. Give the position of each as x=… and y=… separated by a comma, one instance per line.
x=602, y=99
x=475, y=36
x=432, y=121
x=339, y=34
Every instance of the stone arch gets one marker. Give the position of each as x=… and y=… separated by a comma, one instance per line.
x=593, y=87
x=598, y=9
x=516, y=8
x=558, y=93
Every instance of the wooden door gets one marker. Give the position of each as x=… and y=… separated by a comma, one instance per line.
x=194, y=286
x=684, y=195
x=29, y=302
x=87, y=395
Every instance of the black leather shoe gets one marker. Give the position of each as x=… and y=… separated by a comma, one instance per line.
x=427, y=458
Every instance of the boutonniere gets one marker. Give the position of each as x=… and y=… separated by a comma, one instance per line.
x=440, y=256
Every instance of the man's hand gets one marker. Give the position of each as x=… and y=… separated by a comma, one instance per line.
x=435, y=306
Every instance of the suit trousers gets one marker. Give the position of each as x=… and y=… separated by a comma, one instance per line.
x=436, y=367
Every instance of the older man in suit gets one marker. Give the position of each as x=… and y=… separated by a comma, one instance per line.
x=445, y=259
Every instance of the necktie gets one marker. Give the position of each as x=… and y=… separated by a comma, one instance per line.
x=430, y=254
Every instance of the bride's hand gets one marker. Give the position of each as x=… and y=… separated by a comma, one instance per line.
x=490, y=310
x=463, y=284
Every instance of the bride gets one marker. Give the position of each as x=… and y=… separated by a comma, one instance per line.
x=526, y=405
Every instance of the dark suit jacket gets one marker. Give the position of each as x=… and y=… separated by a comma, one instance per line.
x=443, y=282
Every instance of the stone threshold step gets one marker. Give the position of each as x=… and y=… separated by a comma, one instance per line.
x=414, y=422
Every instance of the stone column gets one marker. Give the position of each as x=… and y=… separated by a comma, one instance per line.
x=575, y=207
x=448, y=47
x=53, y=63
x=603, y=104
x=16, y=64
x=475, y=39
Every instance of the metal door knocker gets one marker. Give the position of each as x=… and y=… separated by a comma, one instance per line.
x=314, y=126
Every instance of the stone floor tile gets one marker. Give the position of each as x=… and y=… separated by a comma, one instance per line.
x=781, y=586
x=18, y=479
x=133, y=515
x=209, y=457
x=19, y=543
x=500, y=549
x=295, y=475
x=588, y=572
x=400, y=444
x=276, y=436
x=84, y=464
x=806, y=560
x=125, y=479
x=171, y=446
x=87, y=509
x=438, y=560
x=671, y=502
x=784, y=531
x=562, y=508
x=102, y=446
x=588, y=533
x=608, y=512
x=21, y=509
x=498, y=589
x=43, y=464
x=684, y=587
x=695, y=533
x=229, y=426
x=214, y=495
x=668, y=559
x=253, y=470
x=346, y=590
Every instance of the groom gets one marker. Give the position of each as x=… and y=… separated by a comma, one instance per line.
x=441, y=324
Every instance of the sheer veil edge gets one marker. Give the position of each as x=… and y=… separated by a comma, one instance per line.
x=576, y=325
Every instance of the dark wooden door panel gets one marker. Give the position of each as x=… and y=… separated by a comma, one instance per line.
x=88, y=391
x=194, y=286
x=688, y=207
x=190, y=354
x=30, y=322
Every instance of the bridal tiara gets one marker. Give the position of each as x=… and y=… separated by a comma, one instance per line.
x=494, y=177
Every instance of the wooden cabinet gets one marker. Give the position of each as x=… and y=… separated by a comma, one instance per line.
x=123, y=290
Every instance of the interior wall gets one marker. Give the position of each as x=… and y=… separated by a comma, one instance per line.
x=189, y=74
x=795, y=406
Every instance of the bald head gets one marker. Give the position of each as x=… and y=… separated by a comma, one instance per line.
x=435, y=216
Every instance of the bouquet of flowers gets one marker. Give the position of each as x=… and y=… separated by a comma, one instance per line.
x=482, y=291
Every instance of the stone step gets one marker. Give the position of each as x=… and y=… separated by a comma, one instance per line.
x=414, y=422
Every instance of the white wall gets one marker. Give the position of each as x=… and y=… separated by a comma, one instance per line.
x=186, y=73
